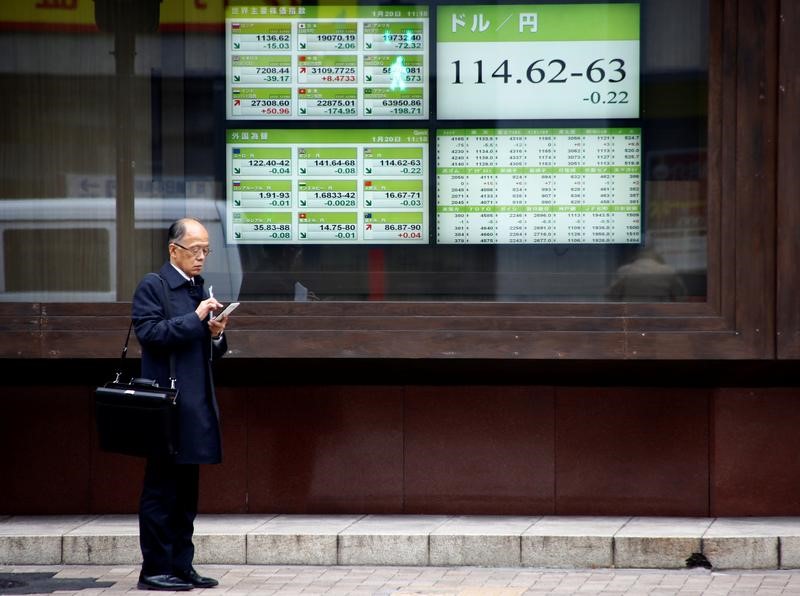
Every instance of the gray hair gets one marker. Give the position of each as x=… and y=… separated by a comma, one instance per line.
x=178, y=229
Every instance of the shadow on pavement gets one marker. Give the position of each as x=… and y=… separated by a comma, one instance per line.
x=45, y=583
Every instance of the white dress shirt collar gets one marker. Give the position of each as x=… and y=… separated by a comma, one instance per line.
x=183, y=275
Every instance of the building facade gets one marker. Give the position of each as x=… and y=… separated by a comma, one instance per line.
x=523, y=359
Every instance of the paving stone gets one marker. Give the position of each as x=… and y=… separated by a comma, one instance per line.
x=105, y=540
x=742, y=552
x=563, y=542
x=388, y=540
x=383, y=549
x=229, y=549
x=29, y=550
x=27, y=540
x=661, y=543
x=790, y=552
x=654, y=553
x=298, y=539
x=750, y=542
x=102, y=550
x=492, y=541
x=222, y=539
x=297, y=548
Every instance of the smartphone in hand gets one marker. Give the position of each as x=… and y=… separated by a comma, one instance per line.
x=228, y=309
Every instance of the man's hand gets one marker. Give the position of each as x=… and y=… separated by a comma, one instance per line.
x=206, y=307
x=217, y=325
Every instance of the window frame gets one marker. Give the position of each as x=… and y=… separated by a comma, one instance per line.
x=737, y=320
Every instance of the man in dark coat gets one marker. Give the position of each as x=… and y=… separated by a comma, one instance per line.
x=188, y=330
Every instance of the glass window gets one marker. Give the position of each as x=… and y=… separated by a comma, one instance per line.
x=445, y=151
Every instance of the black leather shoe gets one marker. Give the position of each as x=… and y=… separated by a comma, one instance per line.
x=197, y=580
x=163, y=582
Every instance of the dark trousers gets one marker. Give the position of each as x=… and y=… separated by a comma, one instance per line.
x=166, y=516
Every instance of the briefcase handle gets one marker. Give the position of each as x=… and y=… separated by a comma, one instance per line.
x=150, y=382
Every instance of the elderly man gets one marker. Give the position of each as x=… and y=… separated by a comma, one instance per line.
x=189, y=331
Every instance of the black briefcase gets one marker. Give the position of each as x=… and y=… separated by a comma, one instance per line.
x=136, y=418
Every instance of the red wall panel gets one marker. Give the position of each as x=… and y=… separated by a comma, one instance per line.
x=116, y=482
x=45, y=441
x=325, y=449
x=756, y=452
x=434, y=449
x=632, y=451
x=479, y=449
x=223, y=487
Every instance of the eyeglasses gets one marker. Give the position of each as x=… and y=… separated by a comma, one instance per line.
x=195, y=250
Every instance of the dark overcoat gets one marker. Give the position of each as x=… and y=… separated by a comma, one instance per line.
x=189, y=338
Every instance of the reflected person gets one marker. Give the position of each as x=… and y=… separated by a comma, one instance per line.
x=647, y=279
x=168, y=504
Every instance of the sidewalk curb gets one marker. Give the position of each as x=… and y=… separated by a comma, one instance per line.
x=418, y=540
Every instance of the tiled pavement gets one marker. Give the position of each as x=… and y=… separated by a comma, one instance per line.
x=404, y=581
x=419, y=541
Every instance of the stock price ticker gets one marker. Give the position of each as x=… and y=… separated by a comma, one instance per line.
x=326, y=62
x=314, y=186
x=551, y=185
x=538, y=186
x=556, y=61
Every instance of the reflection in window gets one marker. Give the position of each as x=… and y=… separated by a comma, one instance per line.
x=56, y=260
x=59, y=131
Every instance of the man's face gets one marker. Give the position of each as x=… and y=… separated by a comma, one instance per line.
x=187, y=254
